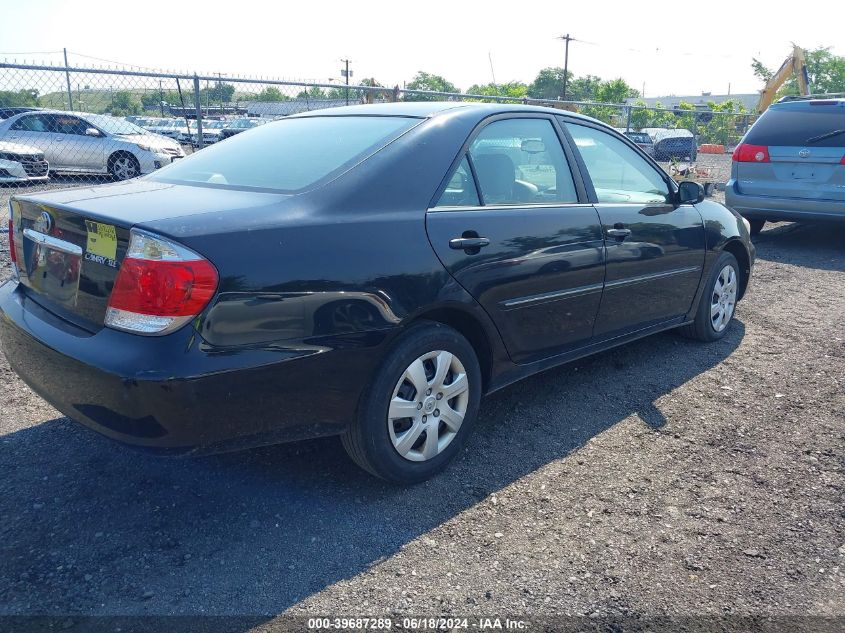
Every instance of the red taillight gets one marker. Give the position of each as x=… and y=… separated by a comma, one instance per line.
x=12, y=253
x=745, y=153
x=160, y=286
x=842, y=162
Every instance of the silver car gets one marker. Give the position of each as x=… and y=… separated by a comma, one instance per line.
x=791, y=164
x=78, y=142
x=21, y=163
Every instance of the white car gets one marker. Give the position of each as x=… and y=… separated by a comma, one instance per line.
x=77, y=142
x=22, y=163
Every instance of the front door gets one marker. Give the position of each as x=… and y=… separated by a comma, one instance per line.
x=655, y=250
x=511, y=229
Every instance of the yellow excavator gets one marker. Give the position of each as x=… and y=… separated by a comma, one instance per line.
x=795, y=64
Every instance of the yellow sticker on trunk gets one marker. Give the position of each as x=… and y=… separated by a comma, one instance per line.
x=102, y=240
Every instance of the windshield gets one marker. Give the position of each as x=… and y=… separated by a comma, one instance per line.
x=289, y=155
x=113, y=125
x=788, y=127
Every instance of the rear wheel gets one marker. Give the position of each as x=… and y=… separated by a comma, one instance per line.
x=123, y=166
x=718, y=302
x=420, y=407
x=756, y=226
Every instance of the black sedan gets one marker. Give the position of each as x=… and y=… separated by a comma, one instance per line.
x=368, y=272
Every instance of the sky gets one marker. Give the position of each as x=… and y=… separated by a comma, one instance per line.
x=669, y=48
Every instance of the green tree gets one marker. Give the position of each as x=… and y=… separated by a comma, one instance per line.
x=152, y=98
x=123, y=103
x=271, y=93
x=548, y=84
x=515, y=89
x=428, y=81
x=10, y=99
x=221, y=92
x=314, y=92
x=583, y=88
x=614, y=91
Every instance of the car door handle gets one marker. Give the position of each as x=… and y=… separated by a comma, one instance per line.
x=463, y=243
x=619, y=234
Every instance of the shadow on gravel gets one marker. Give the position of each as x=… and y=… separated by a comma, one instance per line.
x=820, y=246
x=91, y=527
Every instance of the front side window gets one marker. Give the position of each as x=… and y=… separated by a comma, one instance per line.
x=521, y=161
x=287, y=156
x=460, y=192
x=618, y=172
x=63, y=124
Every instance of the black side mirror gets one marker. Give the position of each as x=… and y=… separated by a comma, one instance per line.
x=690, y=192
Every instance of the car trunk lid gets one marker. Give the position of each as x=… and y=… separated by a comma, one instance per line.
x=68, y=262
x=71, y=243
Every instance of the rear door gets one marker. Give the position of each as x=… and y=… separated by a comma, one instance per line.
x=34, y=130
x=515, y=229
x=805, y=153
x=655, y=250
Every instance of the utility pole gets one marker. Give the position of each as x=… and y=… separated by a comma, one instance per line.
x=346, y=73
x=67, y=77
x=220, y=88
x=566, y=38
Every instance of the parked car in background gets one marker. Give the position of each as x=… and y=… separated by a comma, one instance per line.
x=78, y=142
x=672, y=144
x=642, y=139
x=236, y=126
x=359, y=271
x=211, y=132
x=791, y=164
x=21, y=163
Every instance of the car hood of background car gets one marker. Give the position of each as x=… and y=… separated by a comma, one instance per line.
x=144, y=202
x=17, y=148
x=153, y=140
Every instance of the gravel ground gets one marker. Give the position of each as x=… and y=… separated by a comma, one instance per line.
x=667, y=477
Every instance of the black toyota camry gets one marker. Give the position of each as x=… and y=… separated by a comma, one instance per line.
x=367, y=271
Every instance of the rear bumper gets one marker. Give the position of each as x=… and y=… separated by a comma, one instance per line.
x=176, y=393
x=791, y=209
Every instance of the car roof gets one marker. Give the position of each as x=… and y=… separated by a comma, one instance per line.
x=428, y=109
x=809, y=104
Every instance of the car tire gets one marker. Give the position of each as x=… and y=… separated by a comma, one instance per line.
x=124, y=166
x=405, y=450
x=717, y=305
x=756, y=226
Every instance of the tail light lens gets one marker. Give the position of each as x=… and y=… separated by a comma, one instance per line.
x=745, y=153
x=160, y=286
x=842, y=162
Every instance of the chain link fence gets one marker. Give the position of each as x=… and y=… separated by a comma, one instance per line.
x=84, y=123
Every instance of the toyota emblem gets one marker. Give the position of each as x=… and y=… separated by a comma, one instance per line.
x=804, y=153
x=43, y=223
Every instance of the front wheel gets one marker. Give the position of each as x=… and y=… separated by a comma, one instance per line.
x=419, y=409
x=718, y=302
x=123, y=166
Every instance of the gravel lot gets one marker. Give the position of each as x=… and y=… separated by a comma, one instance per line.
x=667, y=477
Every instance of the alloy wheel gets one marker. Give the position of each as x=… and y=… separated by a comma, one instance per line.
x=428, y=406
x=124, y=168
x=723, y=298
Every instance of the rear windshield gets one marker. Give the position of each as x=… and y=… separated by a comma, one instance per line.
x=287, y=156
x=796, y=127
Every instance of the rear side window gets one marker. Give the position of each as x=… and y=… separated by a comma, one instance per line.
x=521, y=161
x=289, y=155
x=460, y=192
x=784, y=127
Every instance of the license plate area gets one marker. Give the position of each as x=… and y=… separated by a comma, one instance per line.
x=52, y=266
